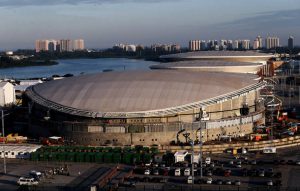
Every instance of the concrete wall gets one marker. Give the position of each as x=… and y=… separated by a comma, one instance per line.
x=150, y=138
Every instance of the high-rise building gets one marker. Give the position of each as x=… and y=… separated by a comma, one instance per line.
x=78, y=44
x=291, y=42
x=236, y=44
x=41, y=45
x=52, y=45
x=229, y=45
x=175, y=47
x=223, y=44
x=272, y=42
x=255, y=44
x=66, y=45
x=258, y=43
x=59, y=45
x=194, y=45
x=245, y=44
x=203, y=45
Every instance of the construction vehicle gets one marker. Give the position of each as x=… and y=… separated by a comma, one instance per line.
x=13, y=138
x=54, y=140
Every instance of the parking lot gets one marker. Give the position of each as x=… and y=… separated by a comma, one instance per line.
x=251, y=171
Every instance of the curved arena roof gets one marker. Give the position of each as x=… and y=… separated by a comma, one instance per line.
x=210, y=66
x=140, y=94
x=223, y=55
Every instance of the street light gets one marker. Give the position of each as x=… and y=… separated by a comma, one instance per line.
x=3, y=135
x=200, y=141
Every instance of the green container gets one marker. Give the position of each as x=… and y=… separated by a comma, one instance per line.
x=136, y=158
x=117, y=158
x=127, y=149
x=117, y=150
x=146, y=149
x=138, y=148
x=99, y=157
x=51, y=156
x=107, y=158
x=61, y=156
x=146, y=158
x=107, y=149
x=34, y=156
x=90, y=157
x=80, y=157
x=127, y=158
x=97, y=149
x=70, y=157
x=46, y=156
x=41, y=156
x=154, y=150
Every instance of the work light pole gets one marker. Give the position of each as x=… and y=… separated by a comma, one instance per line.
x=3, y=136
x=200, y=142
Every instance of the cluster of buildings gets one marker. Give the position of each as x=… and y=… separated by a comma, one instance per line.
x=154, y=47
x=165, y=47
x=219, y=90
x=10, y=54
x=245, y=44
x=128, y=47
x=64, y=45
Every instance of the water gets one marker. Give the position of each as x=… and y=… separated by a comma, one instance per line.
x=76, y=67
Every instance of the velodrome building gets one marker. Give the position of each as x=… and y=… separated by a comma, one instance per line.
x=148, y=107
x=234, y=56
x=210, y=66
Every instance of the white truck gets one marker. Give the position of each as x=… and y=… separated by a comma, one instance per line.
x=177, y=172
x=269, y=150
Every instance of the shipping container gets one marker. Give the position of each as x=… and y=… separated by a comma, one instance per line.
x=60, y=156
x=107, y=149
x=127, y=149
x=99, y=157
x=34, y=156
x=147, y=158
x=80, y=157
x=154, y=150
x=70, y=157
x=117, y=158
x=117, y=150
x=136, y=158
x=107, y=158
x=90, y=157
x=127, y=158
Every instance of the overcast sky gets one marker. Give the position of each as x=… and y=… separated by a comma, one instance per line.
x=103, y=23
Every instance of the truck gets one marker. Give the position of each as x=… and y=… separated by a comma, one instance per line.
x=54, y=140
x=177, y=172
x=269, y=150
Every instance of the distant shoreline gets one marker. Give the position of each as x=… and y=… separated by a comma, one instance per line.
x=27, y=63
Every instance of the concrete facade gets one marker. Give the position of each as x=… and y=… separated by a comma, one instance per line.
x=7, y=94
x=151, y=138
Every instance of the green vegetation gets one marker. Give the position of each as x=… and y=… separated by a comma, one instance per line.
x=8, y=62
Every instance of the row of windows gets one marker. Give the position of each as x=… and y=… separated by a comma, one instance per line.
x=144, y=139
x=12, y=153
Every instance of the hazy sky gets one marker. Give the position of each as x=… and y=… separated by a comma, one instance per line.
x=103, y=23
